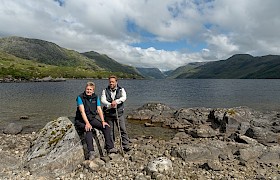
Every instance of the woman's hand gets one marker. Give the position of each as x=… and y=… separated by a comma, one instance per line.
x=105, y=124
x=88, y=127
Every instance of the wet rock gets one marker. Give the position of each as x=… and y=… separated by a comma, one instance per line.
x=13, y=128
x=147, y=111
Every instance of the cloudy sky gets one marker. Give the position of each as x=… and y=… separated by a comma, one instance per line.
x=149, y=33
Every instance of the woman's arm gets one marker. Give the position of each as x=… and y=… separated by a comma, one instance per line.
x=100, y=113
x=84, y=116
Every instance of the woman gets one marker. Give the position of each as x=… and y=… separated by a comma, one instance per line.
x=88, y=105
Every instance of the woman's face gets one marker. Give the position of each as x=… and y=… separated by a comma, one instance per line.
x=89, y=90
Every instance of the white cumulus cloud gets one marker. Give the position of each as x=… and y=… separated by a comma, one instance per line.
x=210, y=30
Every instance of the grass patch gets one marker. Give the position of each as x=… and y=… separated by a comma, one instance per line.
x=27, y=69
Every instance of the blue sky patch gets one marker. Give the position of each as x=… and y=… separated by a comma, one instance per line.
x=181, y=45
x=148, y=40
x=60, y=2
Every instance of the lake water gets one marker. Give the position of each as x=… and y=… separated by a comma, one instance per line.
x=46, y=101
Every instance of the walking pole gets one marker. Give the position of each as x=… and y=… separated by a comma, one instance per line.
x=119, y=129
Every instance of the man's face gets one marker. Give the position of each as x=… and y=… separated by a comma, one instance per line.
x=112, y=83
x=89, y=90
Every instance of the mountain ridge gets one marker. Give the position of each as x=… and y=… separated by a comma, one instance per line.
x=62, y=62
x=48, y=59
x=238, y=66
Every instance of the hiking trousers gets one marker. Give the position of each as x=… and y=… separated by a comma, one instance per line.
x=112, y=121
x=95, y=123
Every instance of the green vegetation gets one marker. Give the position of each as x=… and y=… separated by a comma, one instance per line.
x=24, y=58
x=27, y=59
x=189, y=68
x=27, y=69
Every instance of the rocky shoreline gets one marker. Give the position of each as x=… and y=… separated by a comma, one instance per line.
x=235, y=143
x=10, y=79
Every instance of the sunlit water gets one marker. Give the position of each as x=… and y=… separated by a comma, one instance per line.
x=46, y=101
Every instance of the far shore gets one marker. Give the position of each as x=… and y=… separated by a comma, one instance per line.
x=10, y=79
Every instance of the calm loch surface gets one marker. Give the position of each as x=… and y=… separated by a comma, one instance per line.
x=45, y=101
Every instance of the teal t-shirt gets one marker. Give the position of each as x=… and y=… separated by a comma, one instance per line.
x=80, y=102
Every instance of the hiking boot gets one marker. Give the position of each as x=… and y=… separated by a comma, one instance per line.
x=92, y=155
x=113, y=150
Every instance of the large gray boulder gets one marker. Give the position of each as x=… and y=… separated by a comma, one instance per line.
x=13, y=128
x=192, y=116
x=230, y=120
x=263, y=135
x=251, y=153
x=149, y=110
x=272, y=155
x=201, y=152
x=57, y=150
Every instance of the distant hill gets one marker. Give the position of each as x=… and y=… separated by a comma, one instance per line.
x=151, y=73
x=49, y=59
x=189, y=68
x=33, y=58
x=240, y=66
x=108, y=63
x=44, y=52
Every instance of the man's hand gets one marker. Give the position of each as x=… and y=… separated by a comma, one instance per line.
x=114, y=104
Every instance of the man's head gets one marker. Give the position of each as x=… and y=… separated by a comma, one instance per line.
x=90, y=86
x=113, y=81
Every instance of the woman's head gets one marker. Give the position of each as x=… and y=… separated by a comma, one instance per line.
x=89, y=89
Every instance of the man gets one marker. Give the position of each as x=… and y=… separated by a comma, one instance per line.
x=88, y=105
x=113, y=97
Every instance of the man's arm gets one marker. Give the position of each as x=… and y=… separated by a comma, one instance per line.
x=122, y=98
x=104, y=99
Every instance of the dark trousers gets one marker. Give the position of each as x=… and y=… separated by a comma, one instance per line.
x=95, y=123
x=112, y=121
